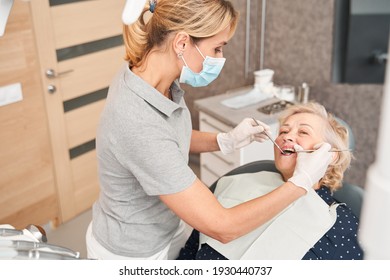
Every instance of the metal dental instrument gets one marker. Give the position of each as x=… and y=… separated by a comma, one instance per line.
x=272, y=140
x=331, y=150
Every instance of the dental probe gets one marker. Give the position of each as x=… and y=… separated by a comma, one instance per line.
x=272, y=140
x=331, y=150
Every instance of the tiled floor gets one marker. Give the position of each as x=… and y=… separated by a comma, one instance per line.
x=71, y=234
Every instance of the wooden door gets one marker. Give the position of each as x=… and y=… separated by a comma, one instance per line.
x=27, y=183
x=80, y=50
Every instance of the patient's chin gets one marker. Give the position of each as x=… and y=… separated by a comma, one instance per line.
x=285, y=165
x=286, y=172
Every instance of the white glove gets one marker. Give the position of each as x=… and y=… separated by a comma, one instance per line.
x=243, y=134
x=311, y=167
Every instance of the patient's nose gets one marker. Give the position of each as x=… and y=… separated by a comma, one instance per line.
x=288, y=137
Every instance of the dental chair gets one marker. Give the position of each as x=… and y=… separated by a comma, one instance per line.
x=350, y=194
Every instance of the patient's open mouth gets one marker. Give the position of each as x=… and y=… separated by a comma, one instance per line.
x=288, y=151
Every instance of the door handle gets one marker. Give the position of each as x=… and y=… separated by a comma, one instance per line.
x=379, y=57
x=51, y=89
x=51, y=73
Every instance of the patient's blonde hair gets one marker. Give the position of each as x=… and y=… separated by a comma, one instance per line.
x=334, y=133
x=198, y=18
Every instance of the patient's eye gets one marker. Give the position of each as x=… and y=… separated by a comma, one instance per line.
x=303, y=132
x=283, y=132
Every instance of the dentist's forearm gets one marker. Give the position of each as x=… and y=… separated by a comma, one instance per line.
x=203, y=142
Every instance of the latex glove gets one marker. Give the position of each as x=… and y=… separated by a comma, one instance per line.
x=243, y=134
x=311, y=167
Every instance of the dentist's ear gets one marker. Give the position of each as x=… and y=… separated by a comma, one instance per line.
x=179, y=42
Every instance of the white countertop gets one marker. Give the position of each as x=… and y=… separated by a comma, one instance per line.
x=232, y=117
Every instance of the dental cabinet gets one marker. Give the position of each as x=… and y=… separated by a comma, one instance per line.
x=216, y=117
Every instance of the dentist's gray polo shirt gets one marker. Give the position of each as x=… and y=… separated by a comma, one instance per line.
x=142, y=147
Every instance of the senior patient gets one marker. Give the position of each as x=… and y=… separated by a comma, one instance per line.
x=314, y=227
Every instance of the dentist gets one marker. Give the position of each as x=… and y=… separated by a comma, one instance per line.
x=148, y=193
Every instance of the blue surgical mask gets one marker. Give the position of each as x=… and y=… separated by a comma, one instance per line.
x=212, y=66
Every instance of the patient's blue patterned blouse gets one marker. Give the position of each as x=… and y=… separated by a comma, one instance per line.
x=339, y=243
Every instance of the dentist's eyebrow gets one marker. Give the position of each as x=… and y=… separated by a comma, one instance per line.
x=223, y=43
